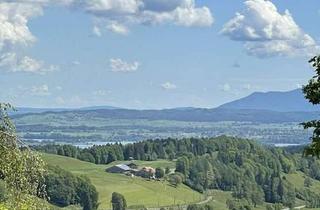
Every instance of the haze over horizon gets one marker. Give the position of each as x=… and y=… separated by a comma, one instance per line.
x=152, y=54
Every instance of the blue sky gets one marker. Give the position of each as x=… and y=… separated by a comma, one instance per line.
x=152, y=53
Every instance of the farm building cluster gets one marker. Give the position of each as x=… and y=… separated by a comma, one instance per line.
x=131, y=169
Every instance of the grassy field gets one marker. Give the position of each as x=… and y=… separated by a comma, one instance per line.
x=137, y=191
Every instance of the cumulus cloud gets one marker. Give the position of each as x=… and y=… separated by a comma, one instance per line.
x=11, y=62
x=168, y=86
x=118, y=28
x=13, y=24
x=267, y=32
x=15, y=34
x=117, y=15
x=119, y=65
x=114, y=15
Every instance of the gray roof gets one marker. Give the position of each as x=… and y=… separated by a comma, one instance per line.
x=123, y=167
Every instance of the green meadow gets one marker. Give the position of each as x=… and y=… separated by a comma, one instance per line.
x=137, y=191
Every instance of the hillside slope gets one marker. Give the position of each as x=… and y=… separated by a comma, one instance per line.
x=137, y=191
x=194, y=115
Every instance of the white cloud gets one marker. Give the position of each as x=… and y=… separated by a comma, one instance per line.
x=117, y=15
x=11, y=62
x=267, y=32
x=96, y=31
x=168, y=86
x=193, y=17
x=59, y=88
x=114, y=15
x=76, y=63
x=118, y=28
x=42, y=90
x=118, y=65
x=14, y=18
x=15, y=34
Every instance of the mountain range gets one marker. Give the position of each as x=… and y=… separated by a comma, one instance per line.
x=291, y=101
x=269, y=107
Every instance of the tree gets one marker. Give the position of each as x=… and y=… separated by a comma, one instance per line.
x=193, y=207
x=64, y=189
x=159, y=173
x=2, y=192
x=87, y=194
x=312, y=94
x=175, y=180
x=307, y=182
x=118, y=201
x=22, y=170
x=269, y=207
x=183, y=165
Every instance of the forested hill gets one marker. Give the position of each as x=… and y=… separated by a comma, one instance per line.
x=255, y=174
x=191, y=115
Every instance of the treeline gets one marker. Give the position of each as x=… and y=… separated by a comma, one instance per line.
x=251, y=172
x=146, y=150
x=64, y=189
x=254, y=173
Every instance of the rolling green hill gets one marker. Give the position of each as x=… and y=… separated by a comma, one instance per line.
x=255, y=174
x=137, y=191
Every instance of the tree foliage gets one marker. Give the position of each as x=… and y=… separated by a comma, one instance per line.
x=312, y=94
x=21, y=169
x=159, y=173
x=118, y=201
x=64, y=189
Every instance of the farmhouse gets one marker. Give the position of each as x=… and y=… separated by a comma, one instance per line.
x=132, y=170
x=121, y=168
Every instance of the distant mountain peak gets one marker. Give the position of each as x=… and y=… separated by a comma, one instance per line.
x=288, y=101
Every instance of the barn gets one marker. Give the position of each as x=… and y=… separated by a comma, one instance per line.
x=121, y=168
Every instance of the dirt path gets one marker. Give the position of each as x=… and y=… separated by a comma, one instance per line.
x=298, y=207
x=210, y=198
x=205, y=201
